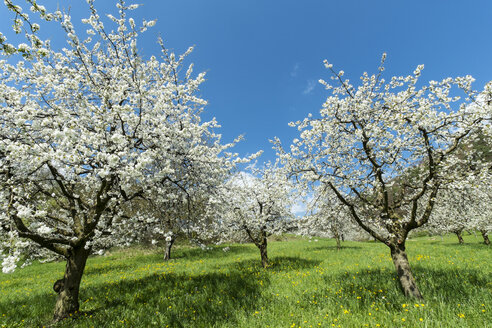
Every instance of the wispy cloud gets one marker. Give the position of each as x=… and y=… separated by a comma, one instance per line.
x=298, y=209
x=311, y=84
x=300, y=206
x=295, y=70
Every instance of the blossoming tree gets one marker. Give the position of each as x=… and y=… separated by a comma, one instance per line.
x=385, y=148
x=461, y=208
x=258, y=202
x=85, y=131
x=327, y=217
x=187, y=213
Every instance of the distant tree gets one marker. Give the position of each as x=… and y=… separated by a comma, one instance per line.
x=88, y=130
x=460, y=208
x=367, y=136
x=327, y=217
x=258, y=202
x=168, y=216
x=451, y=213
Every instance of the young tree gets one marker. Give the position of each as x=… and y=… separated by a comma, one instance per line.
x=385, y=149
x=169, y=216
x=88, y=129
x=258, y=202
x=451, y=212
x=481, y=213
x=461, y=208
x=465, y=204
x=327, y=218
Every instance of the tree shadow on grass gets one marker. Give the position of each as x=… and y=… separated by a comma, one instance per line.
x=365, y=287
x=214, y=252
x=104, y=267
x=278, y=263
x=178, y=300
x=287, y=263
x=478, y=245
x=332, y=248
x=158, y=300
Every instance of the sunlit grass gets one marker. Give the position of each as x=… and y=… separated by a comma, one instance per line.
x=309, y=284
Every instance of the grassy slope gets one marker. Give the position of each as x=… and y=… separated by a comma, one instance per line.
x=309, y=284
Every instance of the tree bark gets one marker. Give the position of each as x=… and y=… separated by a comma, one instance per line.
x=485, y=236
x=460, y=236
x=407, y=281
x=261, y=241
x=264, y=255
x=337, y=239
x=68, y=287
x=263, y=249
x=169, y=245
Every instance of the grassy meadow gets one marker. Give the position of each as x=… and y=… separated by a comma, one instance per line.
x=309, y=284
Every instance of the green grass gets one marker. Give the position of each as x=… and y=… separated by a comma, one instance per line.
x=309, y=284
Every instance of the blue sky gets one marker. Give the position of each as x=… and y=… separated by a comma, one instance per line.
x=263, y=58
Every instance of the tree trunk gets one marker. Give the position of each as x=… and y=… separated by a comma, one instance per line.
x=68, y=287
x=407, y=281
x=264, y=255
x=460, y=236
x=485, y=236
x=337, y=239
x=169, y=245
x=263, y=249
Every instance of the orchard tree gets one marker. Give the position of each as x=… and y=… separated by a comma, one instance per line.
x=87, y=130
x=461, y=208
x=258, y=202
x=327, y=217
x=385, y=148
x=465, y=203
x=189, y=215
x=481, y=213
x=451, y=212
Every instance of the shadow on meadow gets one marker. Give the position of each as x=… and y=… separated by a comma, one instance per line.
x=287, y=263
x=332, y=248
x=365, y=288
x=277, y=263
x=105, y=267
x=178, y=300
x=478, y=245
x=214, y=252
x=157, y=300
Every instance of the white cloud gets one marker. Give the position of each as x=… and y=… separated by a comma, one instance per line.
x=295, y=70
x=298, y=208
x=311, y=84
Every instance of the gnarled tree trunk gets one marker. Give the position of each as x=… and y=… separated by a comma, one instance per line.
x=264, y=255
x=260, y=240
x=337, y=239
x=485, y=236
x=169, y=245
x=459, y=234
x=68, y=287
x=262, y=245
x=407, y=281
